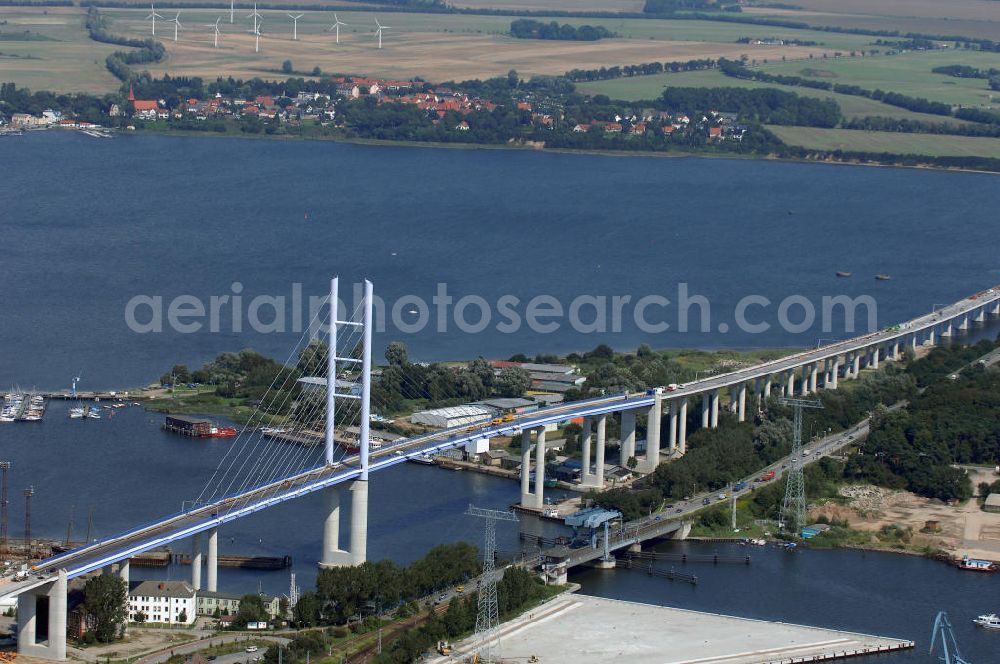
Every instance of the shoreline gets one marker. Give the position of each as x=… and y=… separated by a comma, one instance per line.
x=521, y=147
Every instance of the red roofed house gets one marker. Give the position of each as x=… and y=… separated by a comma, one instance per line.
x=145, y=109
x=715, y=132
x=523, y=106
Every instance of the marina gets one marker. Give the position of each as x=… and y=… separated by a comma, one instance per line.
x=22, y=407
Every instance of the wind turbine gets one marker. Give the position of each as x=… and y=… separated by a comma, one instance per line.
x=216, y=26
x=255, y=15
x=232, y=10
x=379, y=31
x=177, y=24
x=256, y=33
x=153, y=15
x=336, y=25
x=295, y=30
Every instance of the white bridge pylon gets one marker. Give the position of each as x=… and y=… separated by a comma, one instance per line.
x=355, y=554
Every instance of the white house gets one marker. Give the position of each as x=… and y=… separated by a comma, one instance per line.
x=170, y=602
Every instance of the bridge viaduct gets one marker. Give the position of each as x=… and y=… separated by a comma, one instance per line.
x=665, y=409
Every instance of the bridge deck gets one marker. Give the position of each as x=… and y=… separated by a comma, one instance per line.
x=186, y=524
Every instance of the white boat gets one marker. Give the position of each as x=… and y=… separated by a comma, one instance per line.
x=77, y=413
x=988, y=620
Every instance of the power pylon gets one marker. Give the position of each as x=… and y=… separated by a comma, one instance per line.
x=793, y=507
x=4, y=467
x=28, y=493
x=488, y=618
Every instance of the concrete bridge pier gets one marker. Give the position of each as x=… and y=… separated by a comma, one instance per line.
x=834, y=374
x=767, y=386
x=790, y=383
x=741, y=402
x=540, y=467
x=947, y=331
x=980, y=315
x=682, y=426
x=813, y=377
x=586, y=478
x=196, y=562
x=602, y=422
x=526, y=448
x=873, y=361
x=672, y=405
x=913, y=342
x=930, y=336
x=627, y=449
x=654, y=422
x=333, y=555
x=964, y=323
x=212, y=563
x=996, y=308
x=706, y=406
x=124, y=571
x=714, y=423
x=48, y=640
x=856, y=365
x=894, y=351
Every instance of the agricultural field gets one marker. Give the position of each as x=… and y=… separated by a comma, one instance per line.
x=908, y=74
x=434, y=47
x=555, y=5
x=61, y=58
x=881, y=141
x=648, y=87
x=970, y=18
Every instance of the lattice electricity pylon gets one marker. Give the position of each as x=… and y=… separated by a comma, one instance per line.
x=793, y=507
x=949, y=645
x=488, y=618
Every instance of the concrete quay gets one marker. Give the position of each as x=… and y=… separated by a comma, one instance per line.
x=593, y=630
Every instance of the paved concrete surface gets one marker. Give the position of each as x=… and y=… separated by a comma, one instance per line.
x=592, y=630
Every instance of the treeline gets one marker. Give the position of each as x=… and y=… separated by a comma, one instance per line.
x=36, y=3
x=907, y=126
x=529, y=29
x=119, y=63
x=966, y=71
x=764, y=105
x=671, y=6
x=395, y=5
x=644, y=69
x=85, y=107
x=737, y=69
x=344, y=592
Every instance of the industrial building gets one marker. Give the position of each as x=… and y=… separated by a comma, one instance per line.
x=454, y=416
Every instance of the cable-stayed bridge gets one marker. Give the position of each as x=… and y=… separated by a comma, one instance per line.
x=261, y=469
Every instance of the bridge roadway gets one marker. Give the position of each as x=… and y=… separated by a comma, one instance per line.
x=205, y=517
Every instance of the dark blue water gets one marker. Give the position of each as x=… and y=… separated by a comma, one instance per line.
x=86, y=225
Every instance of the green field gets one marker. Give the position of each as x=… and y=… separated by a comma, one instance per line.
x=908, y=74
x=649, y=87
x=68, y=62
x=881, y=141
